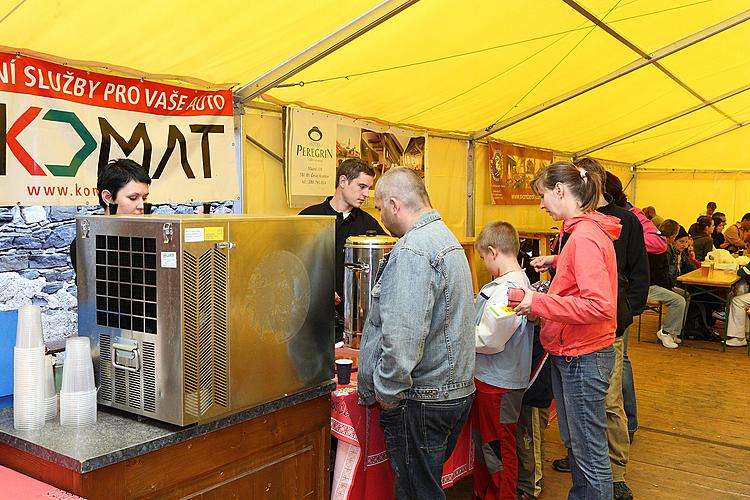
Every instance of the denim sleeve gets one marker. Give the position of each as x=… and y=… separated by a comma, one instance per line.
x=406, y=303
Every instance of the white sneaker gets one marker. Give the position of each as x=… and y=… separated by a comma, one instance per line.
x=736, y=342
x=666, y=340
x=676, y=338
x=720, y=315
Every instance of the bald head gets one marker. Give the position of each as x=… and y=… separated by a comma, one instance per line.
x=405, y=185
x=401, y=199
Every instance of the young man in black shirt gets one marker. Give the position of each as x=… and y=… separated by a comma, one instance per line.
x=354, y=178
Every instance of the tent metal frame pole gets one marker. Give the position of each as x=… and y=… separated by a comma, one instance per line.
x=263, y=148
x=661, y=53
x=658, y=123
x=470, y=189
x=264, y=106
x=321, y=49
x=689, y=171
x=239, y=152
x=694, y=143
x=443, y=135
x=620, y=38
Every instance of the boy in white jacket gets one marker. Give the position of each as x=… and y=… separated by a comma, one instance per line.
x=503, y=364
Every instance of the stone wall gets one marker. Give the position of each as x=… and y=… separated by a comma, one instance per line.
x=35, y=262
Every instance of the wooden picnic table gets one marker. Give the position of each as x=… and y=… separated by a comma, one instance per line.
x=711, y=287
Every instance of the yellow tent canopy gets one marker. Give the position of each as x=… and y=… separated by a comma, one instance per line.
x=658, y=83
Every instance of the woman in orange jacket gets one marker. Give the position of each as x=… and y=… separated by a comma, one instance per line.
x=579, y=319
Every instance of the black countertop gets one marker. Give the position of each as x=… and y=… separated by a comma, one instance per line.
x=119, y=436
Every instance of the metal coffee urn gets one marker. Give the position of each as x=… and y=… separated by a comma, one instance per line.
x=362, y=256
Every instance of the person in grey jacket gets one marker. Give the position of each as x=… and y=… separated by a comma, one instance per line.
x=417, y=355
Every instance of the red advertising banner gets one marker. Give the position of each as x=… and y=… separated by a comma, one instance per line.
x=512, y=168
x=59, y=125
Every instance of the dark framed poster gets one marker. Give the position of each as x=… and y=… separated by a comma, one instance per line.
x=512, y=168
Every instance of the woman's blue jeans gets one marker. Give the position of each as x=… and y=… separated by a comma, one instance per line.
x=580, y=385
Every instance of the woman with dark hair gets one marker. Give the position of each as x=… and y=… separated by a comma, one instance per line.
x=125, y=184
x=717, y=235
x=123, y=188
x=579, y=319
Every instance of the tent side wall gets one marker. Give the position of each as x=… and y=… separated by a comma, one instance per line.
x=676, y=195
x=683, y=195
x=446, y=181
x=263, y=183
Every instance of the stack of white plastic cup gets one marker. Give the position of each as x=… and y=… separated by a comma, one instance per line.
x=50, y=395
x=28, y=370
x=78, y=392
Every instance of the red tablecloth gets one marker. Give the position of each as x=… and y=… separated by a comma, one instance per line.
x=17, y=486
x=362, y=469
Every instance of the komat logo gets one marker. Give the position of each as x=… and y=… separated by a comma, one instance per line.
x=106, y=133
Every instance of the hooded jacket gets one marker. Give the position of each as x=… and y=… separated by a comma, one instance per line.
x=579, y=313
x=659, y=270
x=655, y=242
x=632, y=265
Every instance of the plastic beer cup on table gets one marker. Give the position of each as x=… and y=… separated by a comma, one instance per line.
x=344, y=371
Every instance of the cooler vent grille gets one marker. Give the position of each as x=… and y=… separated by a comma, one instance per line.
x=121, y=388
x=134, y=390
x=105, y=368
x=221, y=334
x=205, y=347
x=190, y=332
x=126, y=285
x=205, y=332
x=149, y=378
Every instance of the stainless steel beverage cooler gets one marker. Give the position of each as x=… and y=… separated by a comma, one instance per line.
x=192, y=317
x=362, y=256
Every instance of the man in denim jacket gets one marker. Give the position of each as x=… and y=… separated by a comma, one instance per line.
x=417, y=355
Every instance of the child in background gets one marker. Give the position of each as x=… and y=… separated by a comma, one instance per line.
x=503, y=364
x=678, y=258
x=663, y=274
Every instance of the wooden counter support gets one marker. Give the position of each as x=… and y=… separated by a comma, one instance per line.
x=283, y=454
x=545, y=236
x=468, y=246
